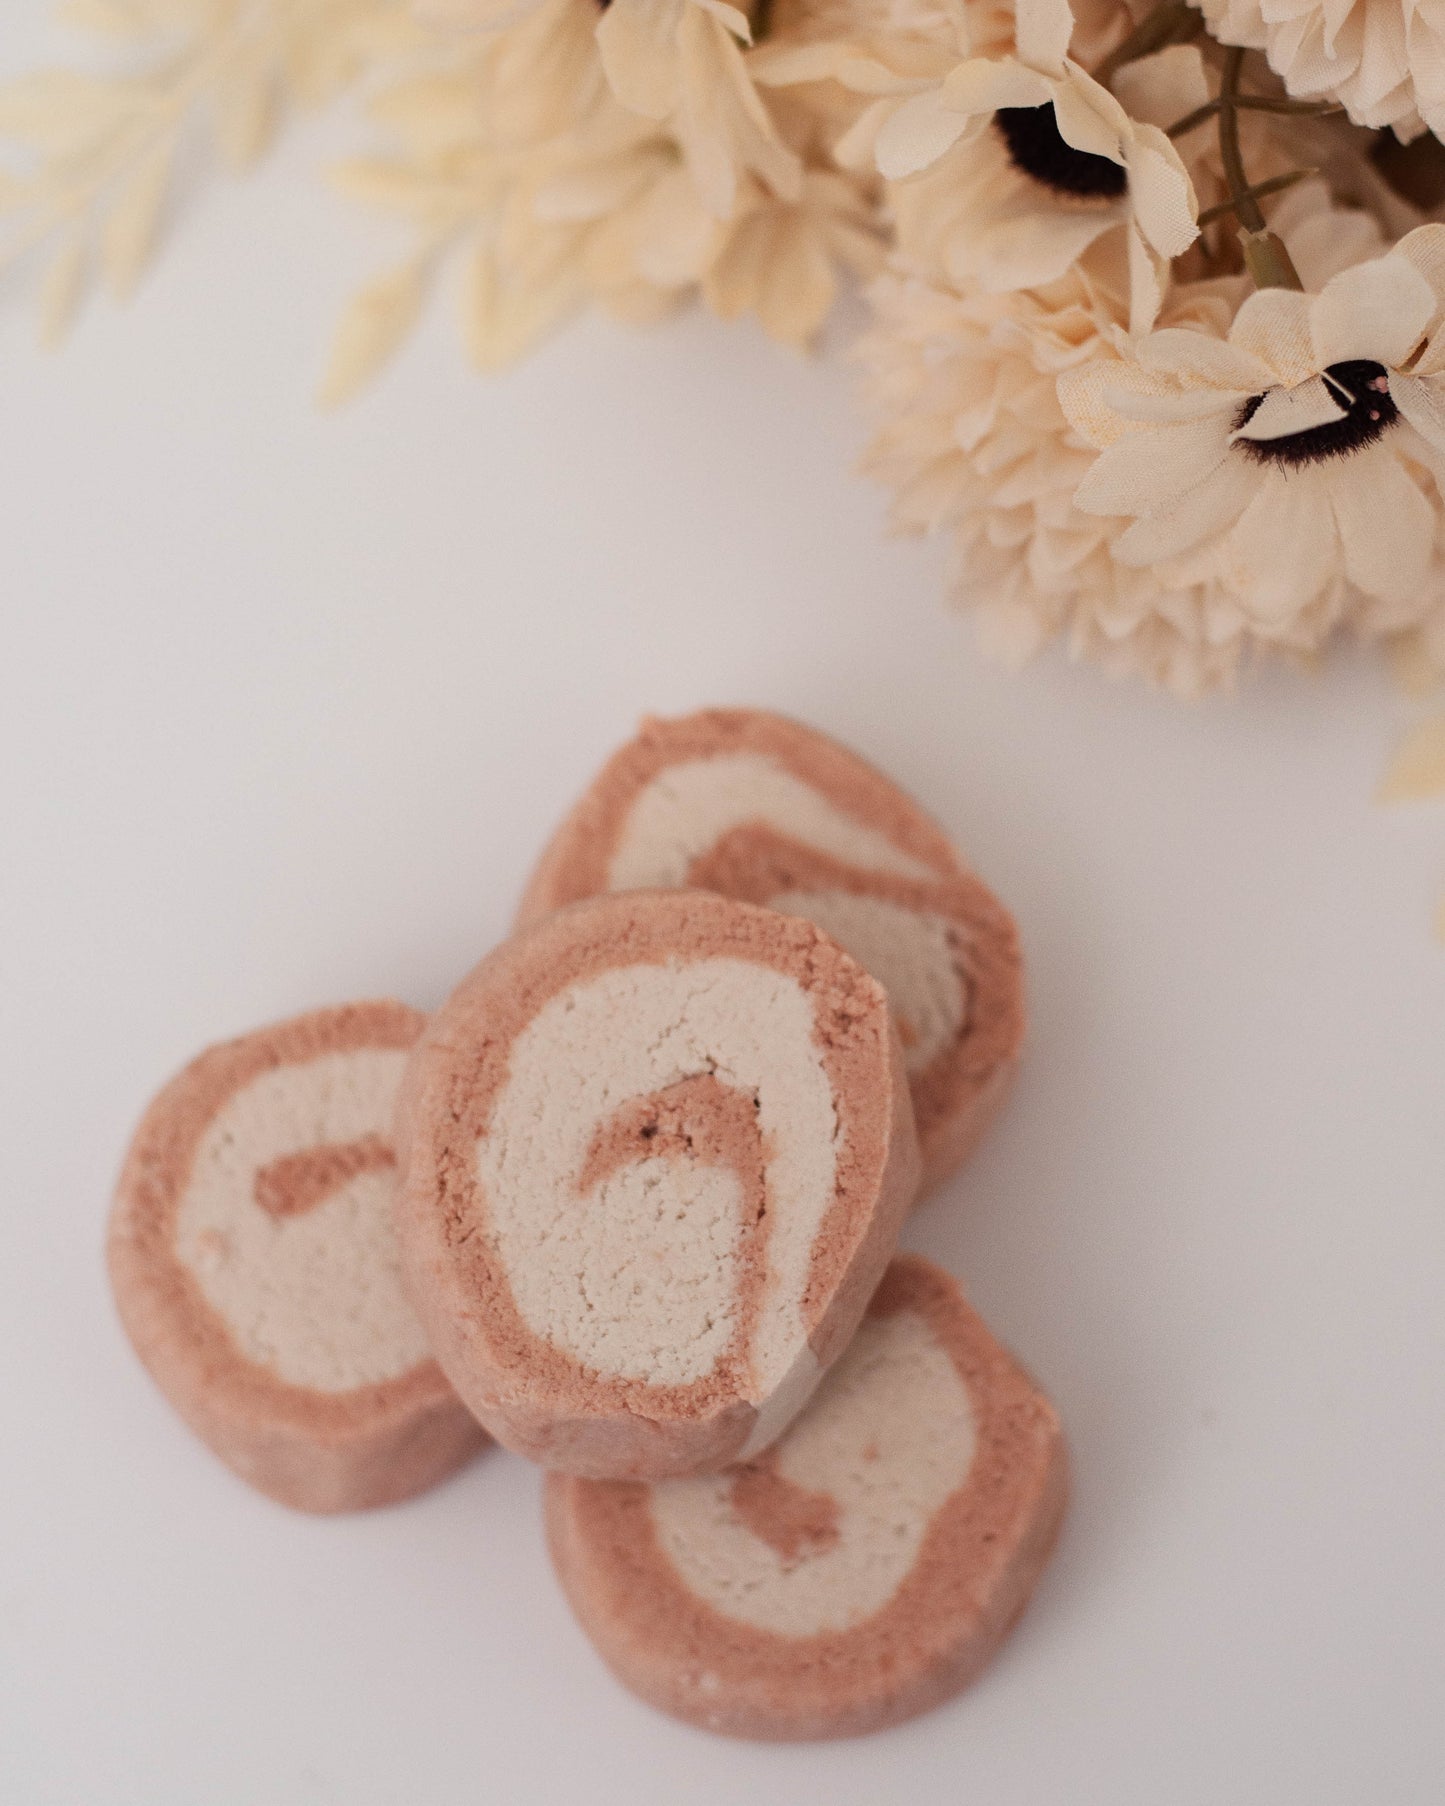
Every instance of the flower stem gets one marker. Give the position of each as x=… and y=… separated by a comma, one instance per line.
x=1265, y=256
x=1255, y=192
x=1254, y=103
x=1171, y=22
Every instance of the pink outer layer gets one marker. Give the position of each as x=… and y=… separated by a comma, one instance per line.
x=534, y=1398
x=958, y=1094
x=981, y=1556
x=315, y=1451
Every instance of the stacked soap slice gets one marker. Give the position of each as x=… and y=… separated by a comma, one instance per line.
x=759, y=808
x=634, y=1191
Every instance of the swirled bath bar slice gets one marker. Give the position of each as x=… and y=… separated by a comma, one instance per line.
x=861, y=1571
x=656, y=1152
x=254, y=1263
x=755, y=806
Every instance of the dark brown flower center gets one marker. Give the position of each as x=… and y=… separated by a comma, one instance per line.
x=1038, y=148
x=1362, y=387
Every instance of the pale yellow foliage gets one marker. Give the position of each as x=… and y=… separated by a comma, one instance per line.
x=1413, y=664
x=93, y=155
x=1417, y=771
x=371, y=329
x=512, y=152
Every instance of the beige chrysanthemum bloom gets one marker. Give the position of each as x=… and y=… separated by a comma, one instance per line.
x=861, y=61
x=1297, y=461
x=646, y=241
x=512, y=158
x=1034, y=158
x=680, y=64
x=781, y=260
x=974, y=442
x=1383, y=60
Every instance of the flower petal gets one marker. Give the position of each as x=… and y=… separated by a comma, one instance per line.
x=1086, y=121
x=1205, y=510
x=984, y=84
x=777, y=65
x=639, y=58
x=1284, y=411
x=1087, y=394
x=1162, y=193
x=1274, y=326
x=1328, y=239
x=1164, y=87
x=1422, y=401
x=1173, y=405
x=1197, y=357
x=1148, y=279
x=1025, y=250
x=1386, y=525
x=732, y=18
x=1378, y=310
x=1282, y=551
x=917, y=133
x=1042, y=29
x=1144, y=472
x=1424, y=250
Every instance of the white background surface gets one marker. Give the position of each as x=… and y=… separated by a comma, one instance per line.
x=287, y=705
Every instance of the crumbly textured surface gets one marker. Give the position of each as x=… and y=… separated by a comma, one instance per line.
x=253, y=1258
x=760, y=808
x=656, y=1153
x=861, y=1571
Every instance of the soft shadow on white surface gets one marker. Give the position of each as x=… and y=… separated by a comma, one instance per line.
x=286, y=708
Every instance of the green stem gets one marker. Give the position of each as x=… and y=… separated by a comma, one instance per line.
x=1255, y=192
x=1235, y=179
x=1190, y=120
x=1263, y=103
x=1265, y=256
x=1254, y=103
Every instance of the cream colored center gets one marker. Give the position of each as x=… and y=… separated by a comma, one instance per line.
x=890, y=1437
x=689, y=807
x=638, y=1276
x=315, y=1298
x=909, y=952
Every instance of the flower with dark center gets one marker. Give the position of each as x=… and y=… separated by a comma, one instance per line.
x=1362, y=387
x=1038, y=148
x=1295, y=456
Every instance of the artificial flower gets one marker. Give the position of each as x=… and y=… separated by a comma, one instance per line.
x=678, y=63
x=515, y=158
x=1383, y=60
x=96, y=155
x=1034, y=157
x=1015, y=206
x=1295, y=460
x=971, y=439
x=974, y=437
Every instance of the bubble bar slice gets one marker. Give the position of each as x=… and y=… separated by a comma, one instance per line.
x=656, y=1151
x=757, y=807
x=861, y=1571
x=254, y=1262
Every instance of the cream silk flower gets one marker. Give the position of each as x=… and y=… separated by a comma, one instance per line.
x=1304, y=450
x=971, y=439
x=1054, y=128
x=679, y=62
x=1015, y=206
x=1383, y=60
